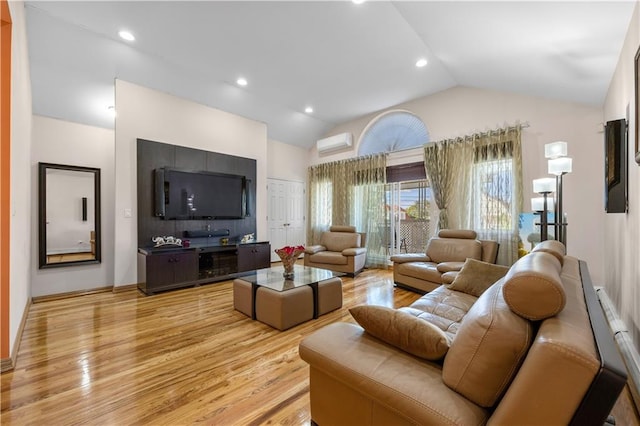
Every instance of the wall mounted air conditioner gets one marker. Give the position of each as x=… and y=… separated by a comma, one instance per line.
x=334, y=143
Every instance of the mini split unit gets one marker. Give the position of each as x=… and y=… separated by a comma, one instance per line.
x=334, y=143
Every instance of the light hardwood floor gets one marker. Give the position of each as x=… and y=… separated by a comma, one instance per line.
x=180, y=357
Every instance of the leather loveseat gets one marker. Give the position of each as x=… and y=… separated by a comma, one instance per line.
x=523, y=353
x=444, y=256
x=341, y=249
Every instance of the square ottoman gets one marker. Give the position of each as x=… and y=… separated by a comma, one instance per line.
x=242, y=297
x=329, y=295
x=284, y=309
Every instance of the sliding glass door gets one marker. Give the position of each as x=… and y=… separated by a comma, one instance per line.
x=408, y=207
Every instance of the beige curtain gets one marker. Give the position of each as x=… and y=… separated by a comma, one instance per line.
x=482, y=185
x=442, y=162
x=349, y=192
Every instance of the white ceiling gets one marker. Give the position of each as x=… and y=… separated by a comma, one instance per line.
x=345, y=60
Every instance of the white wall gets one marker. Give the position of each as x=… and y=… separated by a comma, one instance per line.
x=461, y=110
x=622, y=231
x=152, y=115
x=63, y=142
x=287, y=162
x=21, y=207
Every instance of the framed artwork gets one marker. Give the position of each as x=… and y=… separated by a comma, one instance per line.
x=615, y=166
x=613, y=144
x=636, y=63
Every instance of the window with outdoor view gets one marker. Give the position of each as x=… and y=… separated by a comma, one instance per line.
x=493, y=190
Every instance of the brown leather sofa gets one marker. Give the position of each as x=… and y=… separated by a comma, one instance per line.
x=341, y=249
x=444, y=257
x=523, y=353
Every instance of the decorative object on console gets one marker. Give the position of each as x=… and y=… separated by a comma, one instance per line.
x=166, y=241
x=289, y=255
x=247, y=238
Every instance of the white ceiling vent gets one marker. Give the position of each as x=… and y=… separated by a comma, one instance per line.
x=334, y=143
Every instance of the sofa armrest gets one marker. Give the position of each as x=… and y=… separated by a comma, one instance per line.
x=449, y=266
x=354, y=251
x=448, y=277
x=314, y=249
x=410, y=257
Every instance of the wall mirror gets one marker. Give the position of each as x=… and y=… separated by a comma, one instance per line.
x=69, y=215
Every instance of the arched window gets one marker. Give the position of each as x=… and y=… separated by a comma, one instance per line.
x=393, y=131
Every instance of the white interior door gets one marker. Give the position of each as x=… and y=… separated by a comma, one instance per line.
x=296, y=234
x=286, y=219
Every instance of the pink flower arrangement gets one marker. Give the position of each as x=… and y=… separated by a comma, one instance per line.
x=289, y=255
x=290, y=251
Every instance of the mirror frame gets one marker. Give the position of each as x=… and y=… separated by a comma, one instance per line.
x=42, y=214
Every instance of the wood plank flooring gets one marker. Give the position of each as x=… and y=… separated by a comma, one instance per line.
x=179, y=357
x=176, y=358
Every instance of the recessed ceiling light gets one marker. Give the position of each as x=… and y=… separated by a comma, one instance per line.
x=242, y=81
x=308, y=110
x=421, y=62
x=126, y=35
x=358, y=1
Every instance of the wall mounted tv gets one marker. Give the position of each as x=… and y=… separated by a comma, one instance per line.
x=184, y=195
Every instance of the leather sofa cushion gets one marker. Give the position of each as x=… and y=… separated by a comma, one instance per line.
x=488, y=349
x=338, y=241
x=553, y=247
x=422, y=270
x=329, y=257
x=458, y=233
x=443, y=308
x=533, y=288
x=477, y=276
x=403, y=330
x=453, y=249
x=342, y=228
x=386, y=376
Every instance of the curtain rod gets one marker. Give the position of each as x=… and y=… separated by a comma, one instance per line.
x=522, y=126
x=488, y=132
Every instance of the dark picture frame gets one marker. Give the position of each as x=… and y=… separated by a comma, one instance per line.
x=612, y=154
x=45, y=173
x=615, y=166
x=636, y=63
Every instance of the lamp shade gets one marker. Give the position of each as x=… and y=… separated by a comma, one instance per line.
x=537, y=204
x=560, y=166
x=555, y=149
x=543, y=185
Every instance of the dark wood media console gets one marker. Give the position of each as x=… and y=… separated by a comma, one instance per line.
x=161, y=269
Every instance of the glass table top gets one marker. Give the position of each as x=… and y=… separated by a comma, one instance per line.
x=303, y=275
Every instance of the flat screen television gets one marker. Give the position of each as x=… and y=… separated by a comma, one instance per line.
x=184, y=195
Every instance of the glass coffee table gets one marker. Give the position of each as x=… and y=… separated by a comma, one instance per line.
x=273, y=279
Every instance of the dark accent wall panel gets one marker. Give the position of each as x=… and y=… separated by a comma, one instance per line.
x=152, y=155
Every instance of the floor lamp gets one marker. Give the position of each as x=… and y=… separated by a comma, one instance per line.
x=559, y=165
x=541, y=205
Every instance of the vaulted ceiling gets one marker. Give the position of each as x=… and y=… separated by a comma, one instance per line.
x=342, y=59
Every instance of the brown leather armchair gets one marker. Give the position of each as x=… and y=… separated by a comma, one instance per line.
x=341, y=249
x=444, y=257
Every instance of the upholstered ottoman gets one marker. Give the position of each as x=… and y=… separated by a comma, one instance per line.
x=242, y=297
x=329, y=295
x=284, y=309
